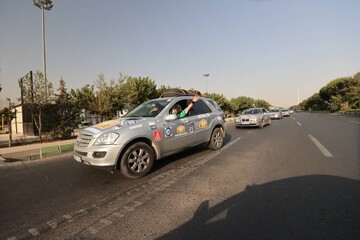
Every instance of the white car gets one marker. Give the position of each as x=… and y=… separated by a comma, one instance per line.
x=285, y=112
x=253, y=117
x=275, y=113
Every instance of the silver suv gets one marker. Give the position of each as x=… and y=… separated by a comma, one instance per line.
x=148, y=133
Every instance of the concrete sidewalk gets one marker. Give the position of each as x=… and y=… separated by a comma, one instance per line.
x=35, y=151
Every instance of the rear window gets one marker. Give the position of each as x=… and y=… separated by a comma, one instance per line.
x=200, y=108
x=213, y=105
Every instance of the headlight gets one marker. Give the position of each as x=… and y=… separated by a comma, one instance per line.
x=106, y=139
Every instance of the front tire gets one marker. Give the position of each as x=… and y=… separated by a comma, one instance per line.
x=216, y=139
x=261, y=124
x=137, y=160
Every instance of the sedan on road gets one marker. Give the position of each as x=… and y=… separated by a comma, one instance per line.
x=253, y=117
x=275, y=113
x=285, y=112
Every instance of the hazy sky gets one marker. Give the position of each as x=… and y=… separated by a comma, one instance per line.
x=264, y=49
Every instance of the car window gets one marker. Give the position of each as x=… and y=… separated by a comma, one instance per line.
x=252, y=111
x=200, y=108
x=182, y=103
x=148, y=109
x=213, y=104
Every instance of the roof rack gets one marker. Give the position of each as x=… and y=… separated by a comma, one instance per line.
x=175, y=92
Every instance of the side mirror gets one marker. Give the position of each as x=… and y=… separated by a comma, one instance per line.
x=171, y=117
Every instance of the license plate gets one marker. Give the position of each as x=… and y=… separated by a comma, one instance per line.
x=77, y=158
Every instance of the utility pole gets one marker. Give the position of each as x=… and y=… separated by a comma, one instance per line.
x=44, y=5
x=298, y=97
x=2, y=123
x=9, y=123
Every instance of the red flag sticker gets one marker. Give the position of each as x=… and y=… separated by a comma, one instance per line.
x=157, y=135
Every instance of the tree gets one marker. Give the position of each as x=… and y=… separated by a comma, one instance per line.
x=38, y=97
x=84, y=97
x=353, y=97
x=315, y=103
x=104, y=101
x=241, y=103
x=66, y=112
x=140, y=90
x=119, y=95
x=262, y=103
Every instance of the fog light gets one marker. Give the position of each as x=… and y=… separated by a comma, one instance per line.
x=99, y=154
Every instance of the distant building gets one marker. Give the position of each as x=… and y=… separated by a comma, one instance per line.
x=22, y=123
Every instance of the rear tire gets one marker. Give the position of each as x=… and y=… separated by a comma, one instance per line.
x=137, y=160
x=216, y=139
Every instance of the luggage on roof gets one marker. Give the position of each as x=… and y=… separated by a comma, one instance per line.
x=175, y=92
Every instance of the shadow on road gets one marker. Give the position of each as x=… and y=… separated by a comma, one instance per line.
x=308, y=207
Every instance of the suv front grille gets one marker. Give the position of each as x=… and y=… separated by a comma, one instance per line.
x=83, y=140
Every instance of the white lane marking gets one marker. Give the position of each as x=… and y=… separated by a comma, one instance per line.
x=52, y=224
x=293, y=118
x=299, y=124
x=354, y=122
x=320, y=146
x=93, y=230
x=34, y=232
x=106, y=222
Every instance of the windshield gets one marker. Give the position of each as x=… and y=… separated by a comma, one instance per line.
x=148, y=109
x=252, y=111
x=274, y=110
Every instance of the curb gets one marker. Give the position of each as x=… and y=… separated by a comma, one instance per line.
x=350, y=113
x=36, y=153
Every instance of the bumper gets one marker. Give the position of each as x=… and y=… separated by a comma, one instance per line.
x=247, y=124
x=276, y=116
x=99, y=156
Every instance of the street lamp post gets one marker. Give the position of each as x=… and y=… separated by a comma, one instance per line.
x=44, y=5
x=206, y=75
x=9, y=123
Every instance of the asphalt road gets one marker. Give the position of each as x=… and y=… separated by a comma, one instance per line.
x=295, y=179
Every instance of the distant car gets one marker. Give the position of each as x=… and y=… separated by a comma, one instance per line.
x=285, y=112
x=150, y=132
x=275, y=113
x=253, y=117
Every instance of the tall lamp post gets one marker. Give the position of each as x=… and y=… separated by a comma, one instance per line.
x=206, y=75
x=44, y=5
x=9, y=123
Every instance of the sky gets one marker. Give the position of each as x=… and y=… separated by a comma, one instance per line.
x=276, y=50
